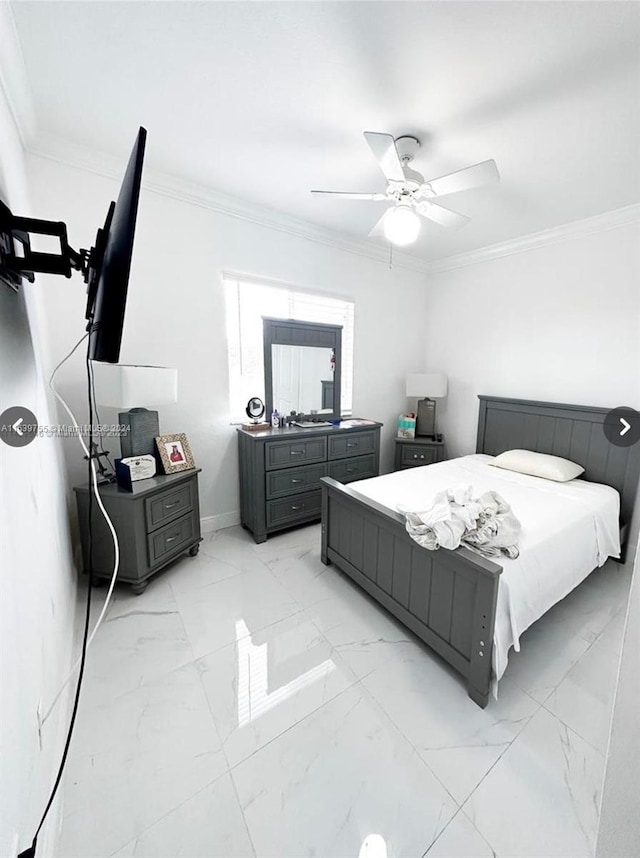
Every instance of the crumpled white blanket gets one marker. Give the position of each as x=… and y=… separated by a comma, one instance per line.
x=485, y=524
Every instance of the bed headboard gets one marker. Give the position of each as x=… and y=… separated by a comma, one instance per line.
x=571, y=431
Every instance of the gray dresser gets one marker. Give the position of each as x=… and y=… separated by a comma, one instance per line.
x=280, y=470
x=155, y=523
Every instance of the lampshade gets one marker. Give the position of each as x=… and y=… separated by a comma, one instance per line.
x=401, y=225
x=123, y=386
x=431, y=385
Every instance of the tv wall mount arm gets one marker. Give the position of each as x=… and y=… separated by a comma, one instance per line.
x=18, y=260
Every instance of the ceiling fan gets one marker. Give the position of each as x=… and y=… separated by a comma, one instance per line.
x=408, y=192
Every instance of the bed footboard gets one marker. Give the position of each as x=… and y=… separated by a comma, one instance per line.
x=447, y=598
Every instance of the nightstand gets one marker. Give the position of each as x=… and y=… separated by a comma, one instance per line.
x=414, y=452
x=155, y=523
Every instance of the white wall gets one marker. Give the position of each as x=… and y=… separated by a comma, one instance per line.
x=619, y=829
x=175, y=313
x=558, y=323
x=38, y=595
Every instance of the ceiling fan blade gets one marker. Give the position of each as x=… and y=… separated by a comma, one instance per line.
x=384, y=151
x=441, y=215
x=463, y=180
x=349, y=196
x=378, y=229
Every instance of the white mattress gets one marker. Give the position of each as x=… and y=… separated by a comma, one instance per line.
x=568, y=529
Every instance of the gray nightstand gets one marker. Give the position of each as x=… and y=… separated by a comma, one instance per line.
x=155, y=523
x=414, y=452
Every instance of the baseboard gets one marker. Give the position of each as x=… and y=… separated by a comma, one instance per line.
x=219, y=522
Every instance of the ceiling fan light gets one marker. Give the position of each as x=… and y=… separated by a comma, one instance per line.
x=401, y=225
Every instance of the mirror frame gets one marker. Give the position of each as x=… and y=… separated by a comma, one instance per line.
x=290, y=332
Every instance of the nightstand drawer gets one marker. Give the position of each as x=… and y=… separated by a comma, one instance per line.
x=163, y=508
x=353, y=469
x=294, y=509
x=282, y=454
x=171, y=538
x=294, y=480
x=415, y=454
x=352, y=444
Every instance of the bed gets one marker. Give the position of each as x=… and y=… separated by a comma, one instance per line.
x=468, y=609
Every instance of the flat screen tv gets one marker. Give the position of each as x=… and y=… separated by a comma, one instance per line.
x=111, y=263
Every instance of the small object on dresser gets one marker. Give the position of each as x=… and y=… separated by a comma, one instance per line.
x=256, y=427
x=406, y=426
x=175, y=453
x=275, y=419
x=134, y=468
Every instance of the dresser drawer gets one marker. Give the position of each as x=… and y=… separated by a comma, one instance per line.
x=294, y=509
x=353, y=444
x=415, y=454
x=291, y=481
x=165, y=507
x=171, y=537
x=353, y=469
x=283, y=454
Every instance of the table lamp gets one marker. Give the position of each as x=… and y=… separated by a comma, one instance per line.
x=127, y=387
x=427, y=387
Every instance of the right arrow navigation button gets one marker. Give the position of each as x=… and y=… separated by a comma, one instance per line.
x=622, y=426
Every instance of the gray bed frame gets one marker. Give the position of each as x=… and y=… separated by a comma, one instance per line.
x=448, y=598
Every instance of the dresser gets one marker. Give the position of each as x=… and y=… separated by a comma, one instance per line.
x=414, y=452
x=155, y=523
x=281, y=469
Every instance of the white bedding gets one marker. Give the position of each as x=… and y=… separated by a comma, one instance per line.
x=568, y=529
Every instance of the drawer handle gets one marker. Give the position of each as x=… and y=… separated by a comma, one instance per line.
x=171, y=538
x=171, y=505
x=352, y=443
x=297, y=452
x=295, y=482
x=351, y=470
x=422, y=455
x=297, y=508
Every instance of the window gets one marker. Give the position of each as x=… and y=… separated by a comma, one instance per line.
x=247, y=301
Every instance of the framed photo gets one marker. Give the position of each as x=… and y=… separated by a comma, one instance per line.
x=175, y=453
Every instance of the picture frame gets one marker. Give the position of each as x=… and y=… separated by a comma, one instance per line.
x=175, y=453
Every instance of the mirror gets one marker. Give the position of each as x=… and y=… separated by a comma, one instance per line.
x=302, y=368
x=302, y=379
x=255, y=408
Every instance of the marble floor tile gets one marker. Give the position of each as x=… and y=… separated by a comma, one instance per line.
x=288, y=542
x=210, y=824
x=460, y=839
x=548, y=651
x=542, y=796
x=141, y=637
x=211, y=614
x=134, y=758
x=584, y=698
x=362, y=632
x=269, y=680
x=304, y=575
x=429, y=704
x=333, y=779
x=234, y=546
x=191, y=573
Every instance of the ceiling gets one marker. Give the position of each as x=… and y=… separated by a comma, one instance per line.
x=266, y=100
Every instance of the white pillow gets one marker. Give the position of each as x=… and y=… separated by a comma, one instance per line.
x=538, y=465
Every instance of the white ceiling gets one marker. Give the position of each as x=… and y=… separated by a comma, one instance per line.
x=267, y=100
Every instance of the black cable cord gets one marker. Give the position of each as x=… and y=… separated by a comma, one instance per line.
x=31, y=851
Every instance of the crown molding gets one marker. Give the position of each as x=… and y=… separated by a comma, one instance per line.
x=62, y=151
x=13, y=77
x=556, y=235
